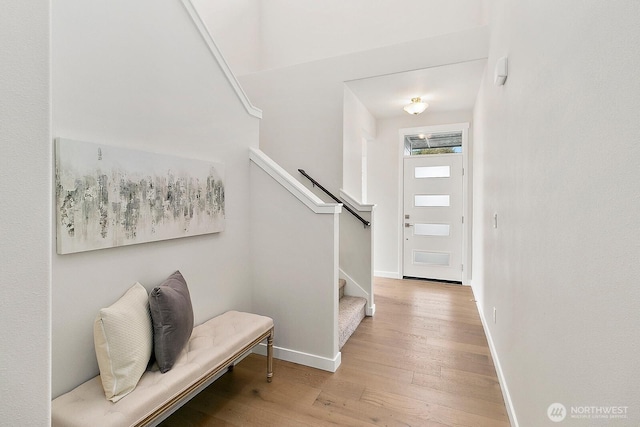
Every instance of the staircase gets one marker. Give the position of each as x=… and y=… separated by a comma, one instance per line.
x=352, y=311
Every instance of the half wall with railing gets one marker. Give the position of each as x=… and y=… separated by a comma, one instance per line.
x=356, y=244
x=356, y=251
x=294, y=264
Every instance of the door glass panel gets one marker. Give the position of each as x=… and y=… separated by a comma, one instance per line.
x=431, y=258
x=433, y=143
x=432, y=172
x=431, y=229
x=430, y=200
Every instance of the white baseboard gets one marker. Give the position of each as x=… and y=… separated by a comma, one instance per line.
x=370, y=311
x=387, y=274
x=496, y=360
x=311, y=360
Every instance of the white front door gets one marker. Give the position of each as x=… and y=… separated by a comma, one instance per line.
x=433, y=217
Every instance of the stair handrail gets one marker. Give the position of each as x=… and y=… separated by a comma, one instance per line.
x=328, y=193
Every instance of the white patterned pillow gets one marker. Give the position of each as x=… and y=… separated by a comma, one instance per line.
x=123, y=338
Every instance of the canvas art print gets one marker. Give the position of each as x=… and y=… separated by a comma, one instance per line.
x=111, y=196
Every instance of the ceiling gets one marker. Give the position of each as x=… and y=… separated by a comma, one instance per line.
x=446, y=88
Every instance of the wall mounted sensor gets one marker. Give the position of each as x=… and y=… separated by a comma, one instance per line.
x=501, y=71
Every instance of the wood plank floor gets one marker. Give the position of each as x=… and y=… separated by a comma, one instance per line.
x=423, y=360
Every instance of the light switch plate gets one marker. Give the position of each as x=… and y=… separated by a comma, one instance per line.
x=501, y=71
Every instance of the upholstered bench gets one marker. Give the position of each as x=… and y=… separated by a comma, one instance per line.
x=214, y=346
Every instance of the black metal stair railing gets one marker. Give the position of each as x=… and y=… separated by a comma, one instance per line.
x=317, y=184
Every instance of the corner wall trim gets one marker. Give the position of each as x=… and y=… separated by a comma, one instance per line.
x=294, y=186
x=362, y=207
x=503, y=382
x=217, y=54
x=311, y=360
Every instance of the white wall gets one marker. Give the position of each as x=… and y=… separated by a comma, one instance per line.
x=297, y=31
x=294, y=272
x=258, y=35
x=356, y=241
x=383, y=173
x=359, y=128
x=25, y=184
x=235, y=26
x=558, y=158
x=139, y=75
x=302, y=126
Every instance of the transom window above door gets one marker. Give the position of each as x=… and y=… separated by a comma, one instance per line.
x=433, y=143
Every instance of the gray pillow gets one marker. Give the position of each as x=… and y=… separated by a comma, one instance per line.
x=172, y=316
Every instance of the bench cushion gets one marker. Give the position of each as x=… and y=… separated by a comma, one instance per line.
x=211, y=344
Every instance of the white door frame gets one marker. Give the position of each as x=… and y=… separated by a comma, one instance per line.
x=466, y=200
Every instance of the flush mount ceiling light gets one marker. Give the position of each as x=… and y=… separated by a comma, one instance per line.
x=416, y=107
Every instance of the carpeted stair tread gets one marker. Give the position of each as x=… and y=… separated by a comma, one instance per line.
x=341, y=285
x=352, y=311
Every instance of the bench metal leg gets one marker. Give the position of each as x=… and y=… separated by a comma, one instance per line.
x=270, y=357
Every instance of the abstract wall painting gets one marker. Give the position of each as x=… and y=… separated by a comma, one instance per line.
x=112, y=196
